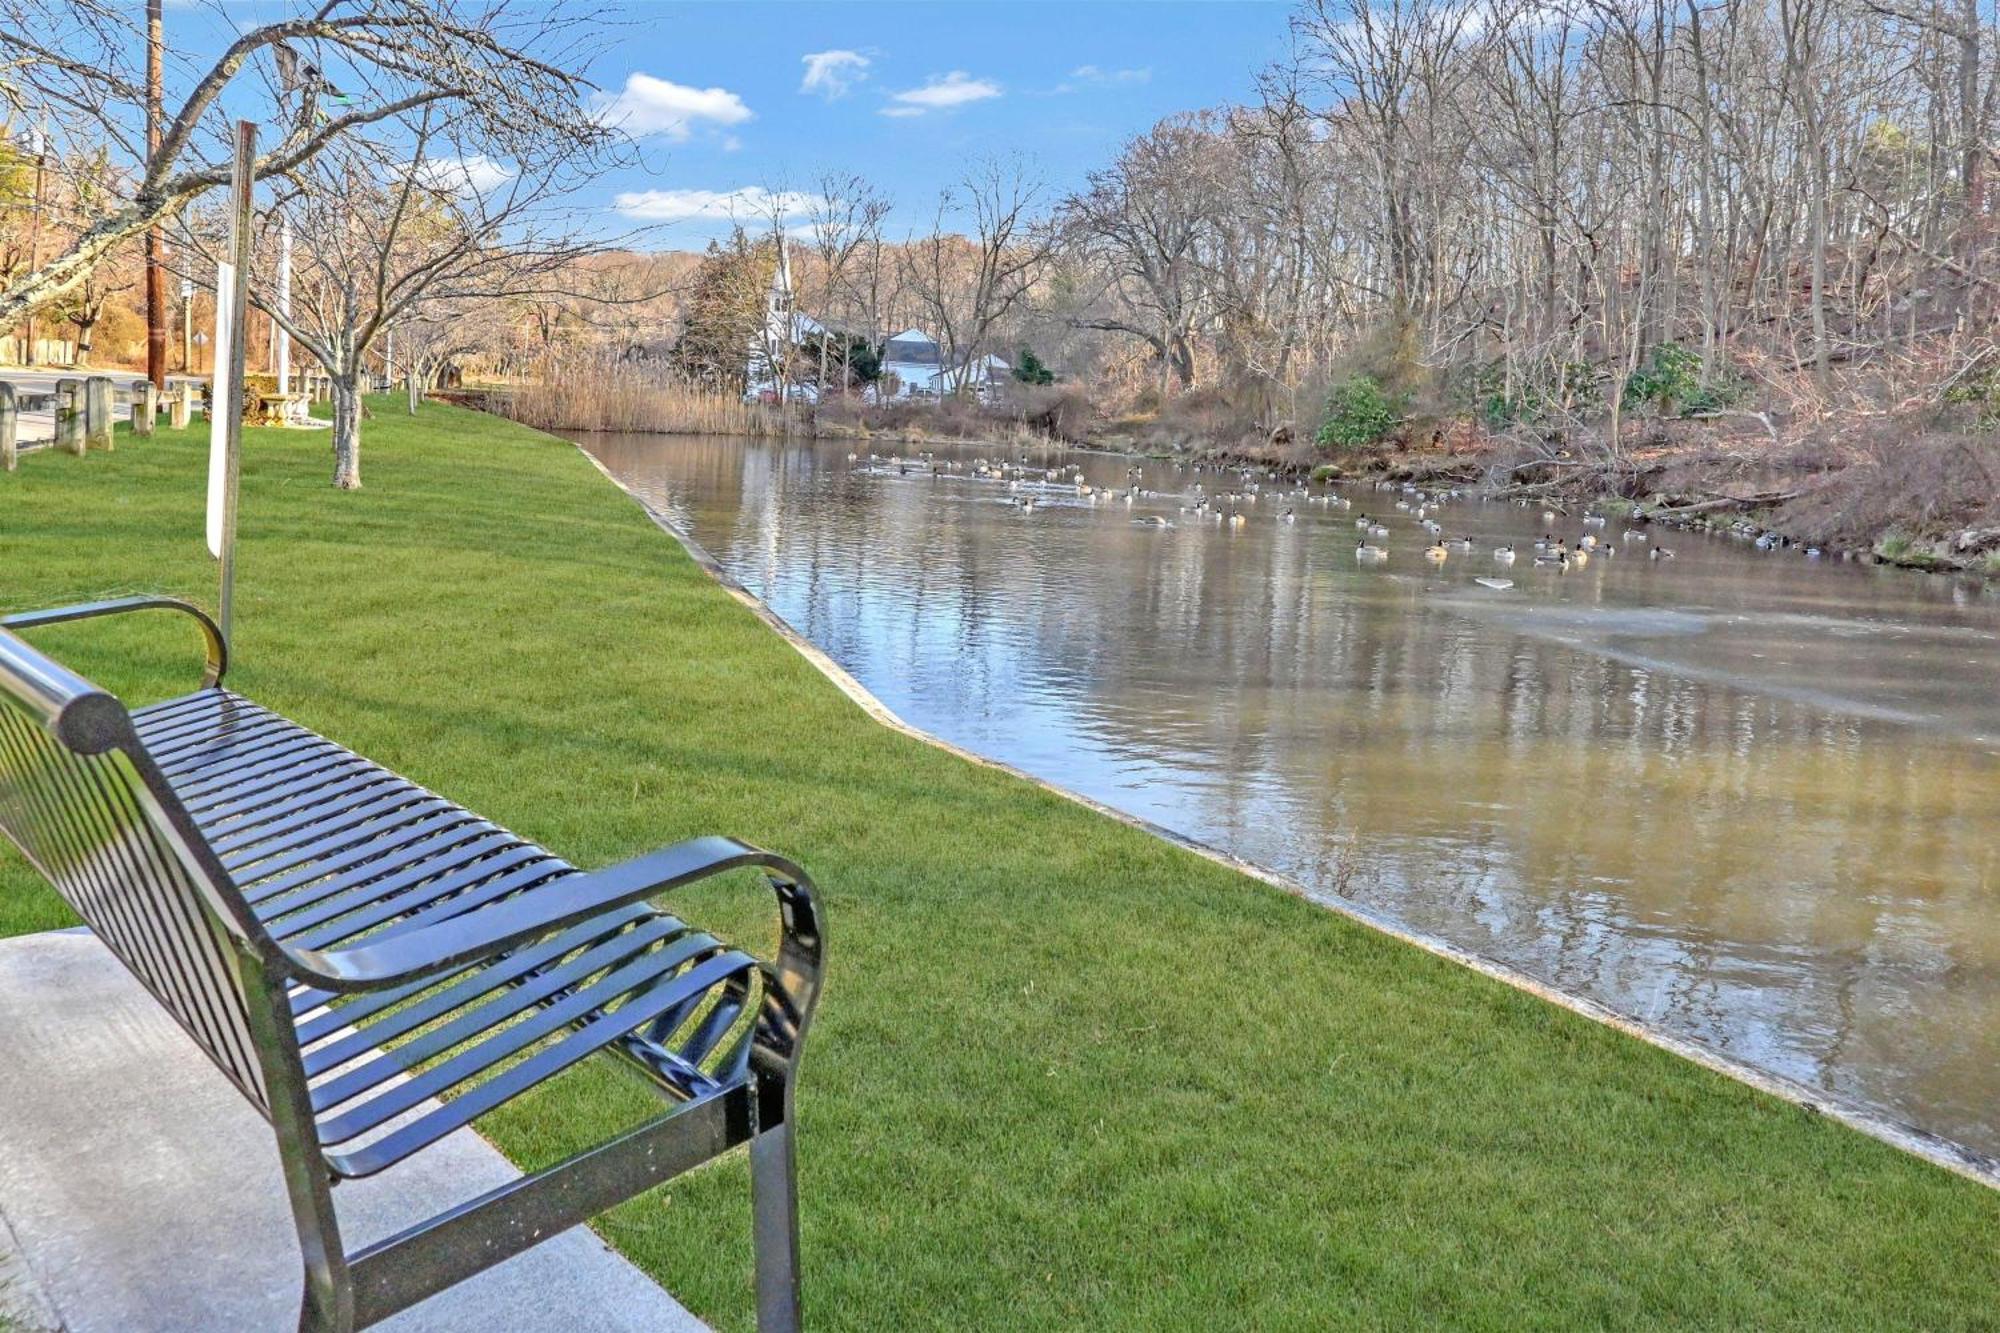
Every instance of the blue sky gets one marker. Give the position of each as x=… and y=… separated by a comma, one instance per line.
x=732, y=97
x=753, y=96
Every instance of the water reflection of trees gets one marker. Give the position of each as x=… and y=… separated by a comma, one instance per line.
x=1810, y=889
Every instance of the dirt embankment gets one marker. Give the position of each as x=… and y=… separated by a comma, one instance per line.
x=1897, y=494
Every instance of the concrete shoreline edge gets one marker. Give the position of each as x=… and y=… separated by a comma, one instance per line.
x=1920, y=1143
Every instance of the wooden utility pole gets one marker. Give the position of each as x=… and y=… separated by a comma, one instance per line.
x=156, y=276
x=41, y=142
x=155, y=273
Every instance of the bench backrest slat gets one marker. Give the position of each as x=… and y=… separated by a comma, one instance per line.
x=93, y=826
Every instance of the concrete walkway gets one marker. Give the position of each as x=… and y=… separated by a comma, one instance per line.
x=142, y=1193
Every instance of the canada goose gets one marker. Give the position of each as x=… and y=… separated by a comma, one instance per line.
x=1377, y=530
x=1661, y=553
x=1503, y=555
x=1579, y=559
x=1286, y=517
x=1634, y=535
x=1237, y=520
x=1459, y=544
x=1548, y=516
x=1433, y=527
x=1593, y=520
x=854, y=458
x=1364, y=522
x=1586, y=542
x=1369, y=554
x=1435, y=554
x=1560, y=558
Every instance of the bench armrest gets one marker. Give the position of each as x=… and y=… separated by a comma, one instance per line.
x=218, y=648
x=556, y=906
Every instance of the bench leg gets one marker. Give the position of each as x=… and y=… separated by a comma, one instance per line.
x=774, y=1201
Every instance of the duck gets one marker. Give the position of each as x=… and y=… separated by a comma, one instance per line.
x=1369, y=554
x=1503, y=555
x=1435, y=554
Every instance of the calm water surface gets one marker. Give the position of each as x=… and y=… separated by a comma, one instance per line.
x=1753, y=799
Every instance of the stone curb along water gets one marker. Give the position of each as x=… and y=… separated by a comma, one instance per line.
x=1920, y=1143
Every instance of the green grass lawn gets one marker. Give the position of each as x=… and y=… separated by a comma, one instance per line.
x=1064, y=1074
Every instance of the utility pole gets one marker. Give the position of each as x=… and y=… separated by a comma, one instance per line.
x=41, y=147
x=156, y=274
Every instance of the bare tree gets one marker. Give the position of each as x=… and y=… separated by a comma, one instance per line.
x=407, y=232
x=965, y=284
x=507, y=73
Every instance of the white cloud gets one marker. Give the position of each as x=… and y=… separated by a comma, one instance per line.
x=748, y=203
x=650, y=105
x=1096, y=74
x=478, y=174
x=941, y=93
x=832, y=73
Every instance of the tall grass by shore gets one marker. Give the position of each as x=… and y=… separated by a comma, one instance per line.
x=607, y=399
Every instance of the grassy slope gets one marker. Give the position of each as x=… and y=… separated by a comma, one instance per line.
x=1064, y=1073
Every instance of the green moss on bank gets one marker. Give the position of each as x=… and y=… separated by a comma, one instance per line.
x=1065, y=1074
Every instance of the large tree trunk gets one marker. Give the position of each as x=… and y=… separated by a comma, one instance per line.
x=346, y=431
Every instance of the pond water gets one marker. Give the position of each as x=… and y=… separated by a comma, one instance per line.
x=1751, y=798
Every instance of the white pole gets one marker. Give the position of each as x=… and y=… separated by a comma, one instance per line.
x=230, y=405
x=284, y=306
x=218, y=420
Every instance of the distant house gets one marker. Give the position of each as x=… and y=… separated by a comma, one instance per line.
x=912, y=357
x=917, y=362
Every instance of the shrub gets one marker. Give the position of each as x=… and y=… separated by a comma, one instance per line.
x=1669, y=379
x=1028, y=368
x=1359, y=412
x=1063, y=412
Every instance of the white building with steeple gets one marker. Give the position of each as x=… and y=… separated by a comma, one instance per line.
x=775, y=344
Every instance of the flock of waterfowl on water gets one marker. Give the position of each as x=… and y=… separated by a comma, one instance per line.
x=1242, y=491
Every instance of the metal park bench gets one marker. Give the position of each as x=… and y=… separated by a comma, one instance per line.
x=373, y=966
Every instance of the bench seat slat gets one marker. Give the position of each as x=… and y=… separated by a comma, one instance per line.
x=345, y=1032
x=596, y=1031
x=277, y=830
x=328, y=847
x=474, y=1013
x=422, y=904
